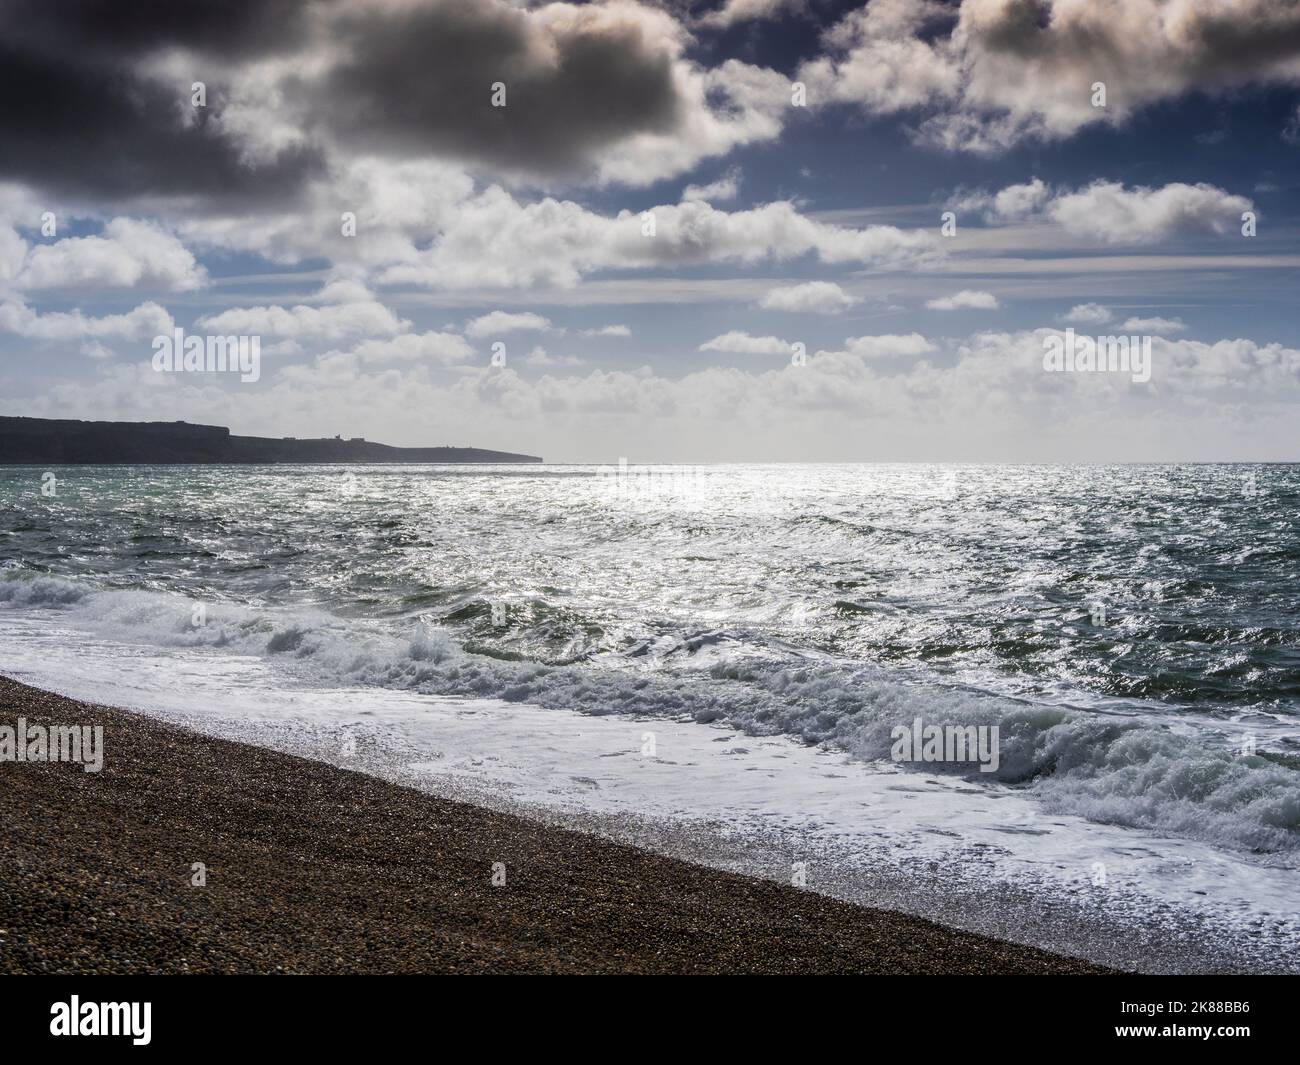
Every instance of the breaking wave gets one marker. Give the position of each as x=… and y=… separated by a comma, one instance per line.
x=1120, y=766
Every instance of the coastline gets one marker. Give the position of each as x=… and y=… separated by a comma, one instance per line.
x=312, y=868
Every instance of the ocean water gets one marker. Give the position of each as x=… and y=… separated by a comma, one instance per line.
x=1132, y=631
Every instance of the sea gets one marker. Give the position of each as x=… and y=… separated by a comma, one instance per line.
x=720, y=662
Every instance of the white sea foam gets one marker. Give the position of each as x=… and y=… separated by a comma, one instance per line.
x=1127, y=770
x=987, y=859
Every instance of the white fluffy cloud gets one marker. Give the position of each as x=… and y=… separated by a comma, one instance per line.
x=966, y=299
x=142, y=323
x=129, y=254
x=1088, y=313
x=430, y=346
x=1109, y=212
x=990, y=72
x=722, y=108
x=888, y=345
x=1154, y=325
x=427, y=225
x=332, y=323
x=813, y=297
x=733, y=12
x=982, y=400
x=741, y=343
x=725, y=188
x=495, y=241
x=498, y=322
x=878, y=60
x=539, y=356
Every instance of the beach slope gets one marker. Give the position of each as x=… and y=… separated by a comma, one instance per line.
x=314, y=869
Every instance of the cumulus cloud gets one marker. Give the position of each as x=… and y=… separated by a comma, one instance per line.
x=142, y=323
x=987, y=395
x=1109, y=212
x=742, y=343
x=991, y=72
x=1153, y=325
x=1088, y=313
x=430, y=346
x=966, y=299
x=725, y=188
x=734, y=12
x=343, y=290
x=417, y=79
x=130, y=253
x=291, y=84
x=878, y=59
x=539, y=356
x=498, y=322
x=495, y=241
x=427, y=225
x=93, y=349
x=80, y=81
x=813, y=297
x=1018, y=202
x=888, y=345
x=608, y=331
x=333, y=322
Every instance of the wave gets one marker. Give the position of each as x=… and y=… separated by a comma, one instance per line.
x=1105, y=767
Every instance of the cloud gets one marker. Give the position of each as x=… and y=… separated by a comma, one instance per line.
x=493, y=241
x=814, y=297
x=744, y=344
x=291, y=86
x=498, y=322
x=539, y=357
x=1108, y=212
x=343, y=290
x=130, y=253
x=966, y=299
x=1291, y=131
x=989, y=73
x=1018, y=203
x=1153, y=325
x=426, y=225
x=607, y=331
x=431, y=346
x=81, y=81
x=142, y=323
x=981, y=401
x=1087, y=312
x=878, y=61
x=734, y=12
x=725, y=188
x=417, y=79
x=888, y=345
x=334, y=322
x=93, y=349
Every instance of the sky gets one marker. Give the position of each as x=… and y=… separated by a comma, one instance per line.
x=734, y=230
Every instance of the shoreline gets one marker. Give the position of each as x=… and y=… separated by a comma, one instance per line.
x=311, y=868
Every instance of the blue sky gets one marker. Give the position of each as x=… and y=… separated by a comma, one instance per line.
x=797, y=298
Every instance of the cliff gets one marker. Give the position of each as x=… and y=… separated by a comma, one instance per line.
x=44, y=441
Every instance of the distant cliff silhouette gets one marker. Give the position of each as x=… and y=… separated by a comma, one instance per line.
x=56, y=441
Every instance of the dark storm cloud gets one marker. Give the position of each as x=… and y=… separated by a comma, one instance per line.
x=132, y=27
x=1228, y=42
x=84, y=111
x=80, y=117
x=419, y=82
